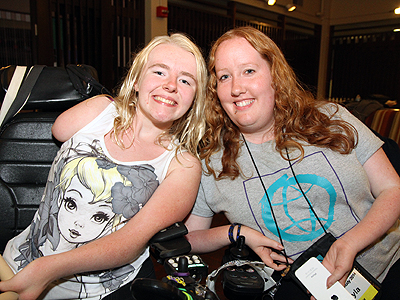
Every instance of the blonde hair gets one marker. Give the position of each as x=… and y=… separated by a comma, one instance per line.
x=98, y=180
x=298, y=118
x=189, y=129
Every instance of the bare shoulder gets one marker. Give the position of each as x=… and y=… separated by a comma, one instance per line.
x=185, y=162
x=78, y=116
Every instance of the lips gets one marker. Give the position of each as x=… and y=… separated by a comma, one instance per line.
x=164, y=100
x=244, y=103
x=73, y=233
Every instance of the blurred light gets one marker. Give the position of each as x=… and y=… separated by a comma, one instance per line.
x=397, y=11
x=290, y=7
x=396, y=30
x=271, y=2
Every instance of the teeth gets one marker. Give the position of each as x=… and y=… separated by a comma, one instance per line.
x=161, y=99
x=244, y=103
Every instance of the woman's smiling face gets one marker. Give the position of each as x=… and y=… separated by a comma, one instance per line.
x=80, y=220
x=168, y=84
x=244, y=86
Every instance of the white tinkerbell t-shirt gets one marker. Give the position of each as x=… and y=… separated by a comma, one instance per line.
x=88, y=195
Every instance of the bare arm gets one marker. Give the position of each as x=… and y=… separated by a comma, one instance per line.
x=75, y=118
x=122, y=246
x=205, y=239
x=385, y=186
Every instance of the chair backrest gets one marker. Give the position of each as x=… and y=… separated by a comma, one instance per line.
x=27, y=150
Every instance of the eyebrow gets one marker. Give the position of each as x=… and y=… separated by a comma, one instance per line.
x=74, y=190
x=164, y=66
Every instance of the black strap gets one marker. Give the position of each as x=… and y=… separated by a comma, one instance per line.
x=77, y=73
x=269, y=200
x=302, y=192
x=24, y=92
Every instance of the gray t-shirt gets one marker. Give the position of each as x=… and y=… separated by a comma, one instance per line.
x=336, y=185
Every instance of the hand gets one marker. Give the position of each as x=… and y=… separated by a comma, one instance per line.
x=28, y=283
x=267, y=249
x=339, y=261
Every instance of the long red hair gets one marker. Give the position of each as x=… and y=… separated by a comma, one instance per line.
x=298, y=117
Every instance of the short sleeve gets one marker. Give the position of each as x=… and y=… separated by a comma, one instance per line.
x=201, y=207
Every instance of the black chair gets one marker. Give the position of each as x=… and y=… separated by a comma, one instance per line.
x=27, y=147
x=27, y=150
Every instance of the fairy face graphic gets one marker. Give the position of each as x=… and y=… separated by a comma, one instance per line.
x=80, y=219
x=87, y=197
x=85, y=204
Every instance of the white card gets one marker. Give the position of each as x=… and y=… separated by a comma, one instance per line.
x=359, y=287
x=313, y=276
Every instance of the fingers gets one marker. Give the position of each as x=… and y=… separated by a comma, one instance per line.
x=337, y=275
x=8, y=296
x=256, y=239
x=339, y=272
x=280, y=258
x=5, y=271
x=273, y=259
x=275, y=245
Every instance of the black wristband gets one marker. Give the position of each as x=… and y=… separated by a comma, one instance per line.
x=230, y=232
x=238, y=231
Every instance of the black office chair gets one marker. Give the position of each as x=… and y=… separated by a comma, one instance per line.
x=27, y=148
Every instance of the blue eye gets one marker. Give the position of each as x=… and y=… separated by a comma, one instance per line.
x=159, y=73
x=249, y=71
x=185, y=82
x=223, y=77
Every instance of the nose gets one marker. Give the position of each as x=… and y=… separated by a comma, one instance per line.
x=78, y=224
x=237, y=87
x=170, y=84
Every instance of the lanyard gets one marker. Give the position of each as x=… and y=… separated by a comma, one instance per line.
x=269, y=200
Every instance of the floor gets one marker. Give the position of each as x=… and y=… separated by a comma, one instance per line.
x=213, y=259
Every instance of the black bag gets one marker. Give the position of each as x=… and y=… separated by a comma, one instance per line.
x=48, y=88
x=319, y=249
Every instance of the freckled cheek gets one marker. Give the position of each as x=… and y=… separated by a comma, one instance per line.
x=146, y=88
x=188, y=97
x=223, y=94
x=272, y=95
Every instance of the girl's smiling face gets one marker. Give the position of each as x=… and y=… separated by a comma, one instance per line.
x=244, y=87
x=168, y=84
x=80, y=220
